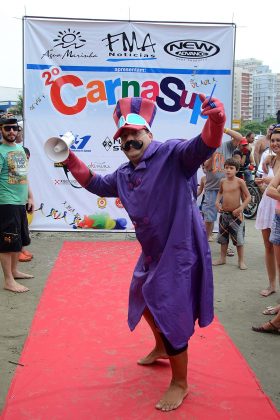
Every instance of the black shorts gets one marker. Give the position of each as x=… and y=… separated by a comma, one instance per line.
x=14, y=232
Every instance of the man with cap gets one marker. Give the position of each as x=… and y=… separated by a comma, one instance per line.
x=15, y=198
x=172, y=285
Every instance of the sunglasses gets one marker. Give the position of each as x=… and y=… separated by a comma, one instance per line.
x=276, y=129
x=134, y=119
x=11, y=127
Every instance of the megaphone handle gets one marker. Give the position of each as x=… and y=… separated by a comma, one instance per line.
x=78, y=169
x=66, y=173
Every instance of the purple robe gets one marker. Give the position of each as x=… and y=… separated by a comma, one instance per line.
x=173, y=276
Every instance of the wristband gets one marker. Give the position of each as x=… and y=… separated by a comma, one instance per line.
x=226, y=130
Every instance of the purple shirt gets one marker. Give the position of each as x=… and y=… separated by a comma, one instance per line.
x=173, y=276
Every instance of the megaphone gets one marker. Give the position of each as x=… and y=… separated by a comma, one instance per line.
x=57, y=148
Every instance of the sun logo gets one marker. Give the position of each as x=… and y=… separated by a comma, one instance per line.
x=69, y=39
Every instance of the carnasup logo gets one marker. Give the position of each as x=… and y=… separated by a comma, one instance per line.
x=191, y=48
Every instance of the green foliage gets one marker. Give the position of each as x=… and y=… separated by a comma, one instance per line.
x=18, y=109
x=256, y=126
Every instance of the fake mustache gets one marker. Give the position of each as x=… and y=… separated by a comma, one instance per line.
x=136, y=144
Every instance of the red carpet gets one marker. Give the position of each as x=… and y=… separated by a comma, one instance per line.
x=80, y=357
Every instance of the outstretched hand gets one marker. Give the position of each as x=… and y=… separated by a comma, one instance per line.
x=215, y=111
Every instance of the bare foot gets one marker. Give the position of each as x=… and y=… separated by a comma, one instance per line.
x=267, y=292
x=242, y=266
x=220, y=261
x=153, y=357
x=14, y=286
x=173, y=397
x=20, y=275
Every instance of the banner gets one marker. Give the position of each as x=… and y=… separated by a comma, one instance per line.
x=74, y=73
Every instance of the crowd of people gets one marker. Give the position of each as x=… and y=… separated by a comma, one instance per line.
x=172, y=285
x=228, y=196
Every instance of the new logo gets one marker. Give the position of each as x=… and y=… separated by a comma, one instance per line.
x=190, y=48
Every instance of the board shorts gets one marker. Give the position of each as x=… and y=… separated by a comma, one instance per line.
x=231, y=226
x=209, y=209
x=14, y=233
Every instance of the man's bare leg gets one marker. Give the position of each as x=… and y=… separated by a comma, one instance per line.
x=209, y=226
x=178, y=388
x=159, y=351
x=9, y=281
x=16, y=273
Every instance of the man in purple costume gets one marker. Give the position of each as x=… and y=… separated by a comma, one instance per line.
x=172, y=285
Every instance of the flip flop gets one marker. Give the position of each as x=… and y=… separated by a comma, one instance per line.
x=261, y=329
x=230, y=252
x=271, y=310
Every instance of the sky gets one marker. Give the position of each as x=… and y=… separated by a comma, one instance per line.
x=256, y=34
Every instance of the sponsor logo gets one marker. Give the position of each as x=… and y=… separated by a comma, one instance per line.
x=102, y=202
x=190, y=48
x=80, y=143
x=113, y=145
x=65, y=182
x=124, y=47
x=67, y=39
x=99, y=166
x=68, y=44
x=119, y=203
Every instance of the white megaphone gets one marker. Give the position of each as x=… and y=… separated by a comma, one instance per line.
x=57, y=148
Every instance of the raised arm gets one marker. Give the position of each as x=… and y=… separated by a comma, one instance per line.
x=236, y=137
x=212, y=132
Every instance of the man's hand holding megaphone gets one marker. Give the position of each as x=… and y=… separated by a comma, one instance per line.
x=58, y=150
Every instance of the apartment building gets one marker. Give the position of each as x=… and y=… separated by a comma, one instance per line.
x=256, y=91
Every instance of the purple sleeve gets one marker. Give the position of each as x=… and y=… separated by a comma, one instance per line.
x=192, y=153
x=104, y=186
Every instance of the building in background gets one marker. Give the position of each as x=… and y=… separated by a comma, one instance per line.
x=256, y=93
x=242, y=95
x=8, y=97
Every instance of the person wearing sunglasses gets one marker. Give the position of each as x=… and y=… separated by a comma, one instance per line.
x=15, y=198
x=172, y=285
x=24, y=255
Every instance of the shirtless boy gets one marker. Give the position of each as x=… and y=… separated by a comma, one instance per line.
x=233, y=197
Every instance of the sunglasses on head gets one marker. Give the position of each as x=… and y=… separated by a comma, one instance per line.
x=133, y=119
x=11, y=127
x=276, y=129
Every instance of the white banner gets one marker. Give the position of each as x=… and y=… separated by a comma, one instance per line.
x=74, y=73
